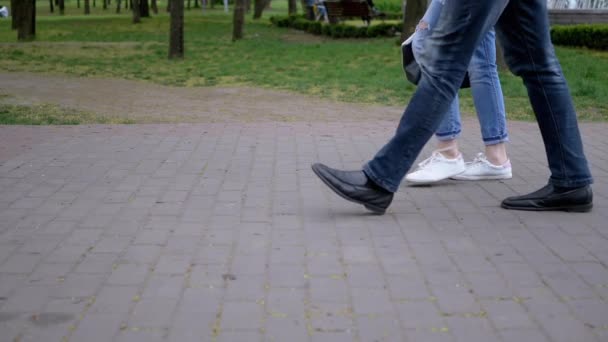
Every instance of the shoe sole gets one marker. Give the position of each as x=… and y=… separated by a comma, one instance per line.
x=478, y=178
x=583, y=208
x=376, y=210
x=429, y=182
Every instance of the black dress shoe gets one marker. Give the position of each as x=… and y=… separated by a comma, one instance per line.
x=355, y=187
x=551, y=198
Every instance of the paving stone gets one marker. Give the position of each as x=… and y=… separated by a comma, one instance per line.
x=128, y=274
x=379, y=328
x=153, y=312
x=242, y=315
x=188, y=327
x=115, y=299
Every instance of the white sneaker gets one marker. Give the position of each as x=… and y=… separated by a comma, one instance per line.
x=436, y=168
x=481, y=169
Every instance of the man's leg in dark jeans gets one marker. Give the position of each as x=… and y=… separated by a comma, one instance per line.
x=523, y=30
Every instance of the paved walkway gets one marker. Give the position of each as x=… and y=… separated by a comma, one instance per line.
x=221, y=232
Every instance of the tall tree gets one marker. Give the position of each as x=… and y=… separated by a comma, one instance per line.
x=258, y=8
x=77, y=3
x=52, y=7
x=87, y=6
x=25, y=16
x=238, y=20
x=61, y=4
x=413, y=10
x=154, y=6
x=14, y=16
x=117, y=6
x=188, y=4
x=176, y=29
x=105, y=4
x=136, y=11
x=144, y=9
x=292, y=7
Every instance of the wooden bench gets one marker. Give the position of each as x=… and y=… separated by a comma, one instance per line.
x=338, y=10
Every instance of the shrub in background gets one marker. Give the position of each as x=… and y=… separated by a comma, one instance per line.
x=337, y=30
x=593, y=36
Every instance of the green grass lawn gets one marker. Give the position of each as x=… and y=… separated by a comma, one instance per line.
x=367, y=70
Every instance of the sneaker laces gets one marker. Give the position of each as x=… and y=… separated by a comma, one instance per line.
x=482, y=159
x=436, y=155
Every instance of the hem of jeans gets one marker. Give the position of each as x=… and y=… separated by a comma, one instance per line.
x=571, y=183
x=379, y=182
x=447, y=136
x=496, y=140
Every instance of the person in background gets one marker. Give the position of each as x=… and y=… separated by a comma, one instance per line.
x=4, y=12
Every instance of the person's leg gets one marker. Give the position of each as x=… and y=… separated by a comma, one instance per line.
x=489, y=104
x=444, y=61
x=488, y=99
x=524, y=31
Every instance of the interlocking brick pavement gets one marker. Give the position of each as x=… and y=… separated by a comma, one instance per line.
x=221, y=232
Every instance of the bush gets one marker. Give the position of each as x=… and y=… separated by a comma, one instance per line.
x=315, y=27
x=338, y=30
x=591, y=36
x=383, y=30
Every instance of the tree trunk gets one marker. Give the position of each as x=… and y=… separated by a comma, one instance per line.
x=500, y=57
x=188, y=4
x=14, y=15
x=176, y=31
x=248, y=5
x=169, y=5
x=52, y=7
x=292, y=7
x=77, y=3
x=154, y=7
x=238, y=20
x=258, y=8
x=87, y=7
x=105, y=4
x=413, y=10
x=118, y=6
x=94, y=3
x=61, y=6
x=136, y=11
x=196, y=4
x=25, y=15
x=144, y=9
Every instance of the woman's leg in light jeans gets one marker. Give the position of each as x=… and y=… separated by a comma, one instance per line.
x=488, y=99
x=487, y=96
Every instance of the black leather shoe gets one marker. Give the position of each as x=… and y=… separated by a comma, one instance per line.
x=550, y=198
x=355, y=187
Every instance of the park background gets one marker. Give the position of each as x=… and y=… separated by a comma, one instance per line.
x=106, y=44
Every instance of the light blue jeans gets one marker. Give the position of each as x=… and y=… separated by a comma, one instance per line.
x=485, y=85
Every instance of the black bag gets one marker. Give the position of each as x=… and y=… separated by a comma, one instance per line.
x=411, y=67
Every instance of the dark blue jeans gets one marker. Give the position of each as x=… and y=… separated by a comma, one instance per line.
x=523, y=28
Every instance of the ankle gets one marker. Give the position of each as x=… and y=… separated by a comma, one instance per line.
x=497, y=154
x=448, y=149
